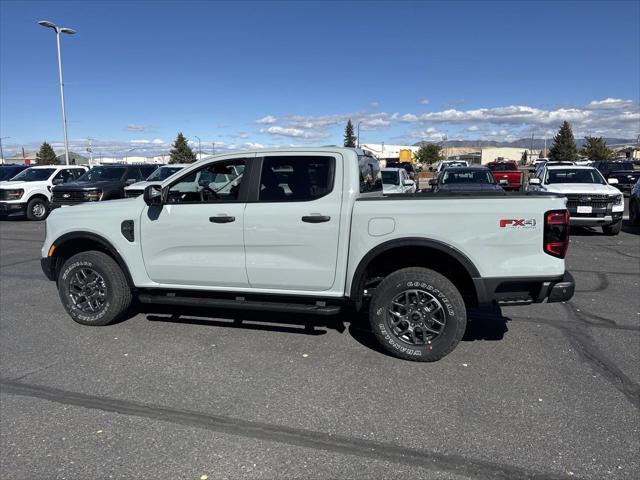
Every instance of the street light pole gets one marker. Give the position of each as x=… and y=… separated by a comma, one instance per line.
x=1, y=152
x=58, y=31
x=359, y=134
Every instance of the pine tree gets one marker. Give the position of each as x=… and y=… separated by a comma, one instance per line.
x=524, y=157
x=349, y=137
x=595, y=148
x=181, y=151
x=46, y=155
x=564, y=145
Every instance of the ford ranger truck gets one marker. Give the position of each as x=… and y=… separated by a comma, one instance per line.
x=308, y=230
x=592, y=201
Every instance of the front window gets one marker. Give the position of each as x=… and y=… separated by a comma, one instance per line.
x=217, y=182
x=390, y=178
x=34, y=174
x=163, y=173
x=466, y=176
x=567, y=175
x=103, y=173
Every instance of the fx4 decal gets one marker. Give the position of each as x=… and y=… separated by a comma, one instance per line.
x=517, y=223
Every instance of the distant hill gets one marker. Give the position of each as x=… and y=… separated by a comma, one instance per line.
x=538, y=143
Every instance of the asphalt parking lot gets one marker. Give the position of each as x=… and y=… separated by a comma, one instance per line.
x=542, y=391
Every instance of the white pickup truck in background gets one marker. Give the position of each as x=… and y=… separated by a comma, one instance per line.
x=309, y=230
x=29, y=192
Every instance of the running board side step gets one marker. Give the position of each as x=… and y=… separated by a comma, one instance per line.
x=320, y=308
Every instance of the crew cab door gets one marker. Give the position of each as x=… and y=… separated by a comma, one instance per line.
x=292, y=227
x=196, y=236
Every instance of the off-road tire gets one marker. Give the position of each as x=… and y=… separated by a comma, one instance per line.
x=441, y=289
x=37, y=209
x=613, y=229
x=117, y=294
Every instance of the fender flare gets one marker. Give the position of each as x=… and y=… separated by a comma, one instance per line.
x=358, y=275
x=104, y=244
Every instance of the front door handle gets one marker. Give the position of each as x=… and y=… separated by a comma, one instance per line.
x=222, y=219
x=316, y=218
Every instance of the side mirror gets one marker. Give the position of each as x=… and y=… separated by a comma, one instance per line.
x=153, y=195
x=504, y=182
x=408, y=183
x=433, y=182
x=130, y=181
x=534, y=181
x=612, y=181
x=57, y=181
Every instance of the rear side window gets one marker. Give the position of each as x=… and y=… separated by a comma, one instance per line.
x=148, y=170
x=370, y=175
x=296, y=178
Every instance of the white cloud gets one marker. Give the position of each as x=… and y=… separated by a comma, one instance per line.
x=140, y=142
x=611, y=103
x=424, y=101
x=473, y=128
x=267, y=120
x=293, y=132
x=374, y=104
x=132, y=127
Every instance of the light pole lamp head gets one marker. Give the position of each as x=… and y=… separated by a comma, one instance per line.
x=48, y=24
x=69, y=31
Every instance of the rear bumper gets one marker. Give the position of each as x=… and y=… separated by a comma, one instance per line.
x=11, y=208
x=523, y=290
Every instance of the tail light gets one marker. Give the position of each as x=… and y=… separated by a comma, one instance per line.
x=556, y=233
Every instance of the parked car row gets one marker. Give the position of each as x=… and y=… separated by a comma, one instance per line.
x=34, y=191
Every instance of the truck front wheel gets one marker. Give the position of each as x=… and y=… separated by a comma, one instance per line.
x=93, y=289
x=37, y=209
x=613, y=229
x=417, y=314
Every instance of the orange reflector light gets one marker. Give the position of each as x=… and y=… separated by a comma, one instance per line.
x=51, y=249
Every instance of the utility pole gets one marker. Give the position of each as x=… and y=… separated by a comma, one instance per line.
x=199, y=148
x=213, y=148
x=358, y=144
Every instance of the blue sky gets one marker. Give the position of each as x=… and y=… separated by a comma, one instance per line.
x=281, y=73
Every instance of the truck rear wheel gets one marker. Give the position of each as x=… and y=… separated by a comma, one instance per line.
x=93, y=289
x=417, y=314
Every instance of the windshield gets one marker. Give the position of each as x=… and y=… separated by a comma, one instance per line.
x=621, y=166
x=9, y=172
x=466, y=176
x=567, y=175
x=163, y=173
x=103, y=173
x=390, y=178
x=502, y=167
x=34, y=174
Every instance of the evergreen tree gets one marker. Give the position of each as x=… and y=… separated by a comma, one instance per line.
x=524, y=157
x=595, y=148
x=564, y=145
x=46, y=155
x=181, y=151
x=541, y=154
x=429, y=153
x=349, y=137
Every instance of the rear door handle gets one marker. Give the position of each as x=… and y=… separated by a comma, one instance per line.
x=222, y=219
x=316, y=218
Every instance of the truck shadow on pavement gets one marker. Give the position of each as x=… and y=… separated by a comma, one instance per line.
x=484, y=324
